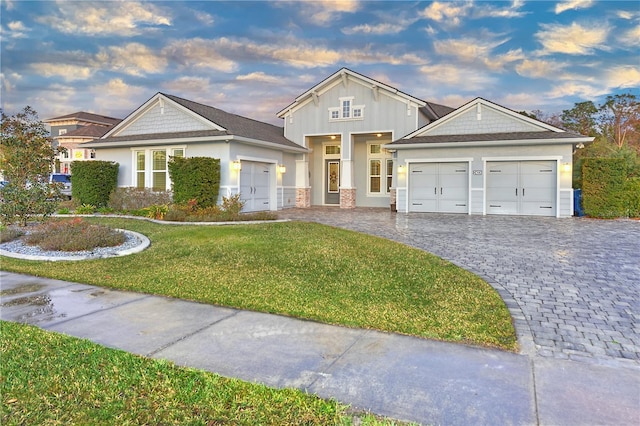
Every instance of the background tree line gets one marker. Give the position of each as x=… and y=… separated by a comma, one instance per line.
x=615, y=125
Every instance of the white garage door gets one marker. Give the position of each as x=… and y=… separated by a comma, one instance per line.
x=255, y=186
x=521, y=188
x=439, y=187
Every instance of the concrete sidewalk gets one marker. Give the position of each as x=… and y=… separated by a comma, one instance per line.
x=397, y=376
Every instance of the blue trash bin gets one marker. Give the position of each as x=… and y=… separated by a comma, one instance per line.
x=577, y=203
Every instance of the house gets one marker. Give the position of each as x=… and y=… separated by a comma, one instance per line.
x=71, y=130
x=351, y=141
x=256, y=159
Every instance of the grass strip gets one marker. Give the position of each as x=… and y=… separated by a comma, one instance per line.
x=304, y=270
x=48, y=378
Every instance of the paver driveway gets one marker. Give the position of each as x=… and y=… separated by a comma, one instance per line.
x=572, y=284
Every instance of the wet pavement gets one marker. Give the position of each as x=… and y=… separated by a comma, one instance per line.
x=572, y=284
x=401, y=377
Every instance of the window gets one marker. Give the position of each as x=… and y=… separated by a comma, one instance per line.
x=65, y=153
x=346, y=110
x=380, y=169
x=151, y=169
x=140, y=169
x=159, y=170
x=62, y=132
x=332, y=150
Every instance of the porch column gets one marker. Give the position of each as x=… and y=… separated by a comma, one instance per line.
x=303, y=190
x=347, y=176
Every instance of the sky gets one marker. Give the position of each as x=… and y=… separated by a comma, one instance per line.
x=254, y=58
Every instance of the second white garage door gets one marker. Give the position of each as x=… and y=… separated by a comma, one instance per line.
x=521, y=187
x=439, y=187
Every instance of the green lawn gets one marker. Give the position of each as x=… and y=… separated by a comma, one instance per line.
x=304, y=270
x=51, y=379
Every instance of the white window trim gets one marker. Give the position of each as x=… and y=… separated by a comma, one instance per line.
x=383, y=156
x=148, y=160
x=340, y=111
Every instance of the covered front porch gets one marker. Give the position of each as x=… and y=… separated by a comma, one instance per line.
x=346, y=170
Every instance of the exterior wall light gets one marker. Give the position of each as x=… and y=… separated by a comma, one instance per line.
x=282, y=169
x=566, y=167
x=237, y=165
x=401, y=168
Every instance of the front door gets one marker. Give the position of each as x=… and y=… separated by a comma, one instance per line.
x=332, y=182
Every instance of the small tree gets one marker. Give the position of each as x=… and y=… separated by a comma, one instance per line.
x=26, y=158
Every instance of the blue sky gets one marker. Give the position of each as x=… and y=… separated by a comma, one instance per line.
x=254, y=58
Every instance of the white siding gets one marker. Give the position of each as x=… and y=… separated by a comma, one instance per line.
x=488, y=120
x=163, y=120
x=385, y=114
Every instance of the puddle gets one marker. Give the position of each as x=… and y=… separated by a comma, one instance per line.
x=39, y=300
x=22, y=288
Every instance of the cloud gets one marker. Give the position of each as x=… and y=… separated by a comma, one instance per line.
x=16, y=29
x=482, y=10
x=260, y=77
x=377, y=29
x=563, y=6
x=7, y=82
x=572, y=40
x=205, y=18
x=478, y=50
x=118, y=96
x=323, y=12
x=68, y=72
x=200, y=53
x=571, y=88
x=456, y=76
x=630, y=38
x=623, y=77
x=446, y=13
x=538, y=68
x=132, y=59
x=123, y=19
x=521, y=101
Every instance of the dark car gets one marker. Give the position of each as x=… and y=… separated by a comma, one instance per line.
x=65, y=180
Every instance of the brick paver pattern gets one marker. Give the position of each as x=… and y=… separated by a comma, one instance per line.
x=572, y=284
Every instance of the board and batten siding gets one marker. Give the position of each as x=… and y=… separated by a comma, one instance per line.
x=386, y=113
x=163, y=119
x=491, y=121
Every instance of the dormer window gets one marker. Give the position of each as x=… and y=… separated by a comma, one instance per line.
x=347, y=110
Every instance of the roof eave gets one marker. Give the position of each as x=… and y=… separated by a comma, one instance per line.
x=550, y=141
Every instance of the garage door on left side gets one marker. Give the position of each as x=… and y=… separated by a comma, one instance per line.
x=439, y=187
x=255, y=186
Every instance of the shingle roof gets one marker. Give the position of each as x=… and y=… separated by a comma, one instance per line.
x=435, y=111
x=86, y=116
x=87, y=131
x=235, y=125
x=486, y=137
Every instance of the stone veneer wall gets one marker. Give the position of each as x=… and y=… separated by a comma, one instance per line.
x=393, y=199
x=348, y=198
x=303, y=198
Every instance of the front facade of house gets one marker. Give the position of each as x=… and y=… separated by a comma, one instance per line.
x=351, y=141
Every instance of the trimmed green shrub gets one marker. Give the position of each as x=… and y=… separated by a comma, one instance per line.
x=92, y=182
x=195, y=178
x=603, y=187
x=632, y=188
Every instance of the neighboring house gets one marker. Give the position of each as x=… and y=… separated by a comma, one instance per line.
x=256, y=159
x=72, y=130
x=352, y=141
x=486, y=159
